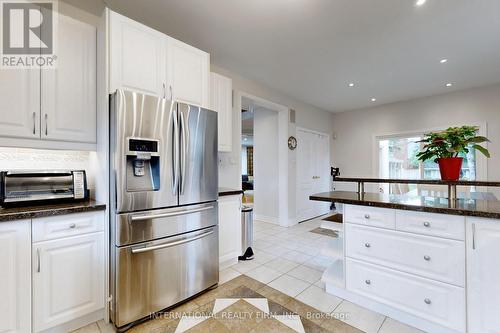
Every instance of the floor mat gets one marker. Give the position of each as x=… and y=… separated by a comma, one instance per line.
x=326, y=232
x=244, y=305
x=334, y=218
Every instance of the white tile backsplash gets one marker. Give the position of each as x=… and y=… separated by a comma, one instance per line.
x=39, y=159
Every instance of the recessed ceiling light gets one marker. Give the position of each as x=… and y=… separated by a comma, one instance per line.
x=443, y=61
x=449, y=84
x=351, y=84
x=420, y=3
x=374, y=99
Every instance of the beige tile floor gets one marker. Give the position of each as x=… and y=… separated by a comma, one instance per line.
x=289, y=260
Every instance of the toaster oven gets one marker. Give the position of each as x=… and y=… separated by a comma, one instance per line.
x=27, y=187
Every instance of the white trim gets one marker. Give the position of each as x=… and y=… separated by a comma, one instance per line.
x=46, y=144
x=481, y=161
x=283, y=114
x=303, y=129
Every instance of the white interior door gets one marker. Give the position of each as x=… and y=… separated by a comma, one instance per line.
x=313, y=165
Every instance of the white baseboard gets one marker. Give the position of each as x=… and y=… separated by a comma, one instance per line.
x=77, y=323
x=268, y=219
x=228, y=260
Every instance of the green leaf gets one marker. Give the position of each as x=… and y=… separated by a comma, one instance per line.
x=483, y=150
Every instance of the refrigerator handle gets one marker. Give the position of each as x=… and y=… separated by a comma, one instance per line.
x=175, y=151
x=184, y=143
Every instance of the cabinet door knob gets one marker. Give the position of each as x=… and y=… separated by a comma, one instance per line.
x=367, y=216
x=427, y=301
x=427, y=258
x=427, y=224
x=367, y=245
x=368, y=282
x=72, y=226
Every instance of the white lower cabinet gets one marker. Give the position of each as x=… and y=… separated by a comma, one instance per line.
x=15, y=277
x=440, y=303
x=68, y=279
x=229, y=229
x=483, y=275
x=67, y=268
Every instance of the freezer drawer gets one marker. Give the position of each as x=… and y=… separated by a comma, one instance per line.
x=155, y=275
x=154, y=224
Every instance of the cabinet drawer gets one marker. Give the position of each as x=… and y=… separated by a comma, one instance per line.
x=373, y=216
x=54, y=227
x=448, y=226
x=435, y=258
x=437, y=302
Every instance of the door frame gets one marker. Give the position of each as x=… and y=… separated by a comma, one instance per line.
x=303, y=129
x=283, y=130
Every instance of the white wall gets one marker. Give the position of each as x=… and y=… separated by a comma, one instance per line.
x=307, y=116
x=266, y=173
x=355, y=130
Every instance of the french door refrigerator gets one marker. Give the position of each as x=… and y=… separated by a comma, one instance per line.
x=163, y=197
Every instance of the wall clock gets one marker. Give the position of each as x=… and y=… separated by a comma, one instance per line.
x=292, y=143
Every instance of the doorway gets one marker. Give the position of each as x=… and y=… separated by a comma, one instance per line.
x=264, y=157
x=313, y=173
x=260, y=170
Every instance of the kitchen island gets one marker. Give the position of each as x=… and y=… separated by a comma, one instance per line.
x=429, y=262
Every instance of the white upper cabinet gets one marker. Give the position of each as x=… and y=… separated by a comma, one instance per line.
x=137, y=56
x=188, y=73
x=55, y=105
x=145, y=60
x=20, y=103
x=483, y=271
x=69, y=91
x=15, y=277
x=221, y=89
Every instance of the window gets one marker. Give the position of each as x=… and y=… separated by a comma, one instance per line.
x=397, y=159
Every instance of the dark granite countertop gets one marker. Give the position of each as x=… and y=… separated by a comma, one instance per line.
x=33, y=212
x=464, y=207
x=223, y=191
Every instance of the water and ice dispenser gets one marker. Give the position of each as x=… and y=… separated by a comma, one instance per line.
x=143, y=165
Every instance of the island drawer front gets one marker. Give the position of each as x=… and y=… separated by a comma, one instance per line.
x=435, y=258
x=372, y=216
x=54, y=227
x=437, y=302
x=441, y=225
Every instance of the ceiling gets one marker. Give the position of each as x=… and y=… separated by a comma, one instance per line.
x=312, y=49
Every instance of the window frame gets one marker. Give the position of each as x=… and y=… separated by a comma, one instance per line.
x=481, y=160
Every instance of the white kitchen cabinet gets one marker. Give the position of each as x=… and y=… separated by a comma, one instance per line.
x=221, y=100
x=54, y=108
x=229, y=229
x=188, y=73
x=68, y=279
x=20, y=103
x=68, y=104
x=483, y=271
x=15, y=277
x=137, y=56
x=145, y=60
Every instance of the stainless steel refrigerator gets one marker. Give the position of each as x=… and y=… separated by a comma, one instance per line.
x=164, y=214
